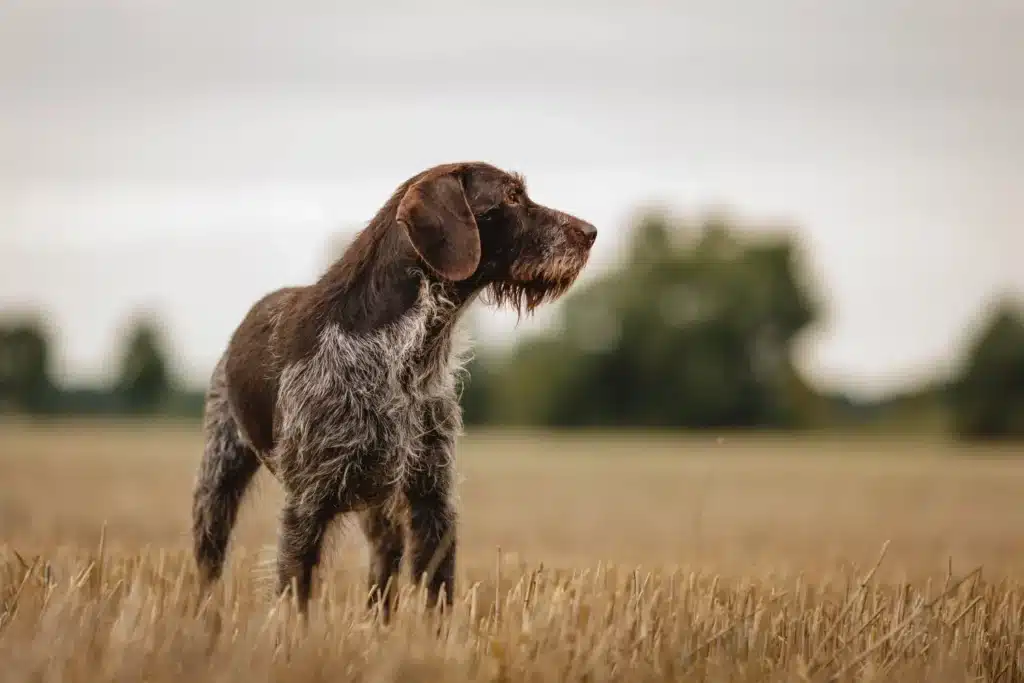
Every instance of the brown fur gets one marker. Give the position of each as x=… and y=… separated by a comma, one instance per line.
x=345, y=389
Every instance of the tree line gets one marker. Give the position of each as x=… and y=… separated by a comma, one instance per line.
x=695, y=328
x=143, y=384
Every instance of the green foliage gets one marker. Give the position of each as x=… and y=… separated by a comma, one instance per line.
x=26, y=384
x=988, y=396
x=693, y=330
x=476, y=397
x=144, y=381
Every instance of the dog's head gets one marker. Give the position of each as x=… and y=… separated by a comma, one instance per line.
x=472, y=222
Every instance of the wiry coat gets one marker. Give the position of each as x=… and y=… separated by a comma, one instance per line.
x=346, y=390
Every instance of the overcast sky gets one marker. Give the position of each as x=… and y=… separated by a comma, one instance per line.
x=189, y=156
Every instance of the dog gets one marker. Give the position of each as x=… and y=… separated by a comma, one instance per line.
x=346, y=389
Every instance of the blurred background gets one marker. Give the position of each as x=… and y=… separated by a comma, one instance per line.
x=810, y=213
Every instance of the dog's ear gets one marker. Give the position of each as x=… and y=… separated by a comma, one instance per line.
x=441, y=226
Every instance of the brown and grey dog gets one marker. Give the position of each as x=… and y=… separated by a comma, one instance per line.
x=345, y=390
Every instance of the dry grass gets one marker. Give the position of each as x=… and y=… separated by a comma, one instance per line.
x=621, y=558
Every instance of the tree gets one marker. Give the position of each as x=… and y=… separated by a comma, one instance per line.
x=25, y=372
x=988, y=395
x=144, y=381
x=695, y=329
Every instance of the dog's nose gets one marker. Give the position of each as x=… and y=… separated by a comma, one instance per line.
x=588, y=230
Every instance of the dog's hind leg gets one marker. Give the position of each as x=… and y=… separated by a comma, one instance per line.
x=227, y=469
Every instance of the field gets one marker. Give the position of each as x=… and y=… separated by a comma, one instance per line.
x=598, y=557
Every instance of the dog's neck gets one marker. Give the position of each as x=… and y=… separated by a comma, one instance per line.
x=380, y=278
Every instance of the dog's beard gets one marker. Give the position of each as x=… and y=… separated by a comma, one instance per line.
x=532, y=284
x=522, y=297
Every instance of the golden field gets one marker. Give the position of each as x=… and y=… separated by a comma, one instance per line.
x=591, y=557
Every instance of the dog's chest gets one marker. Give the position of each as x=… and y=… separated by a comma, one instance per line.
x=385, y=390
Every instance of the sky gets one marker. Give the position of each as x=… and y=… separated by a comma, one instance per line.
x=186, y=157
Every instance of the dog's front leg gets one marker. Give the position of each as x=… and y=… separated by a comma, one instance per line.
x=303, y=526
x=432, y=532
x=429, y=493
x=385, y=536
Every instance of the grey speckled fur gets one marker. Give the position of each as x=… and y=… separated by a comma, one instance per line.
x=364, y=421
x=346, y=390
